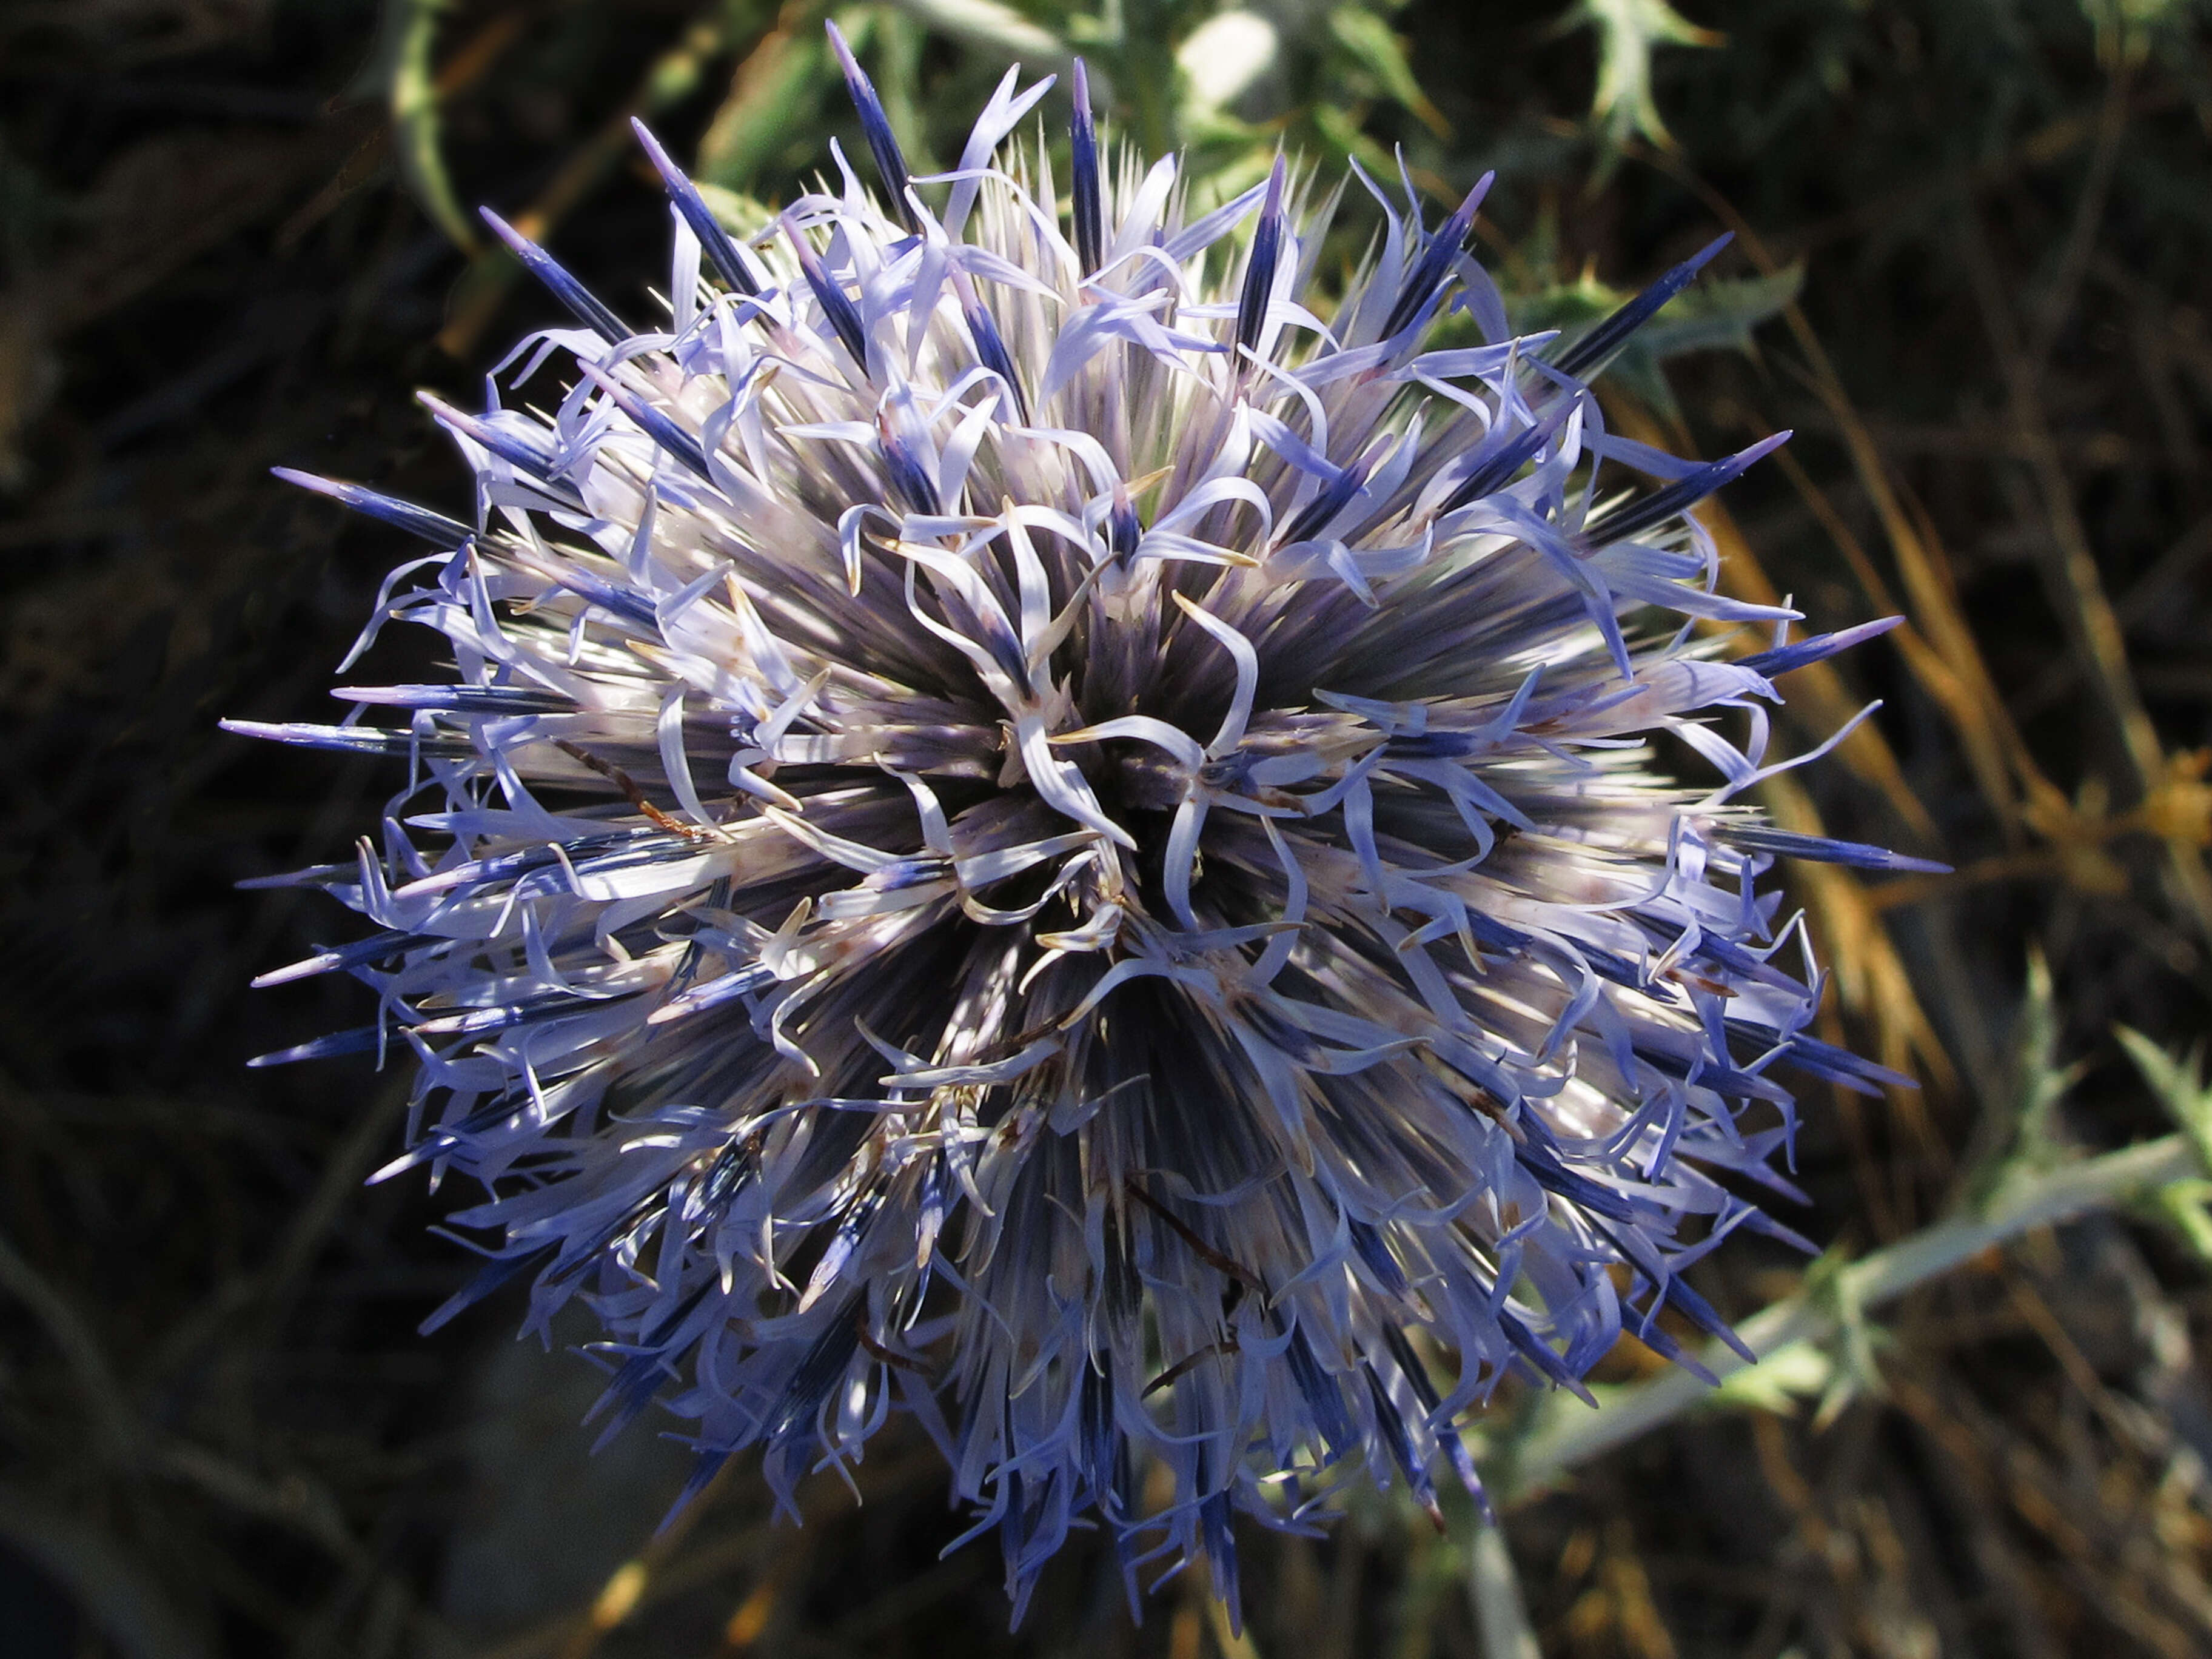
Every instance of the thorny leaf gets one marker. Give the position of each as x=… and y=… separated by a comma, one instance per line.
x=1628, y=32
x=1719, y=311
x=2184, y=1206
x=410, y=90
x=1382, y=53
x=2021, y=1132
x=1797, y=1372
x=1852, y=1350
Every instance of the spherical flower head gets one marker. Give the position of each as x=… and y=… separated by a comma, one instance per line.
x=1033, y=832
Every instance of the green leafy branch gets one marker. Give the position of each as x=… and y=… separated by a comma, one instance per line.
x=1628, y=32
x=1820, y=1343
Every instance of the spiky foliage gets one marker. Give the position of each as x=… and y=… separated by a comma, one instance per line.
x=1031, y=833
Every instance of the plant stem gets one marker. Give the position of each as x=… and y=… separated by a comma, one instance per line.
x=1566, y=1435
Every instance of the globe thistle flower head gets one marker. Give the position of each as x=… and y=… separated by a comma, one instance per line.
x=1033, y=832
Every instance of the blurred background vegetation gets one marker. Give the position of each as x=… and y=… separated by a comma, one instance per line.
x=1972, y=270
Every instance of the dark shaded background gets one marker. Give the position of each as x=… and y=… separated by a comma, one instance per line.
x=218, y=1431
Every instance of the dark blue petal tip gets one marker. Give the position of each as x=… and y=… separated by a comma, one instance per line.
x=433, y=527
x=581, y=303
x=1090, y=207
x=1590, y=353
x=713, y=241
x=836, y=305
x=1260, y=270
x=882, y=144
x=1680, y=496
x=1426, y=279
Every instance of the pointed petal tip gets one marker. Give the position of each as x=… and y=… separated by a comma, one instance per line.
x=506, y=233
x=292, y=972
x=1783, y=659
x=655, y=151
x=684, y=195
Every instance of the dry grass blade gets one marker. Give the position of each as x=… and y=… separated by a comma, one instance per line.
x=1986, y=738
x=2006, y=1471
x=1955, y=672
x=1985, y=731
x=2079, y=593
